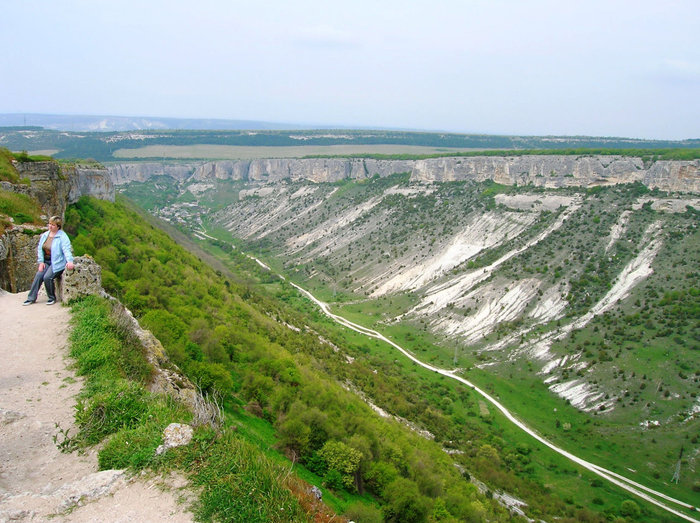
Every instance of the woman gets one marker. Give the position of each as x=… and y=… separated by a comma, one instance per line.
x=54, y=254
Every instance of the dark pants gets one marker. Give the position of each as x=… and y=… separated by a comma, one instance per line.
x=47, y=276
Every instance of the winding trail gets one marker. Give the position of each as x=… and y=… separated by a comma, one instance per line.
x=627, y=484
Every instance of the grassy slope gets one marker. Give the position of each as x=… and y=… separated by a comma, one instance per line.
x=238, y=482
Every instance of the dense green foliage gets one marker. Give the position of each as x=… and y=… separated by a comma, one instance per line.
x=234, y=342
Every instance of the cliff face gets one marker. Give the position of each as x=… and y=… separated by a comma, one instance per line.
x=539, y=170
x=54, y=187
x=89, y=181
x=140, y=172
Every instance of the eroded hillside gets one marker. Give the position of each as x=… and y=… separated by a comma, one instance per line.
x=587, y=295
x=496, y=273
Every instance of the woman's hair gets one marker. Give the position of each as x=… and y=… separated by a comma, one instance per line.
x=56, y=220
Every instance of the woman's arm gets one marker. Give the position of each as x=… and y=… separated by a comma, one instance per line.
x=67, y=251
x=39, y=252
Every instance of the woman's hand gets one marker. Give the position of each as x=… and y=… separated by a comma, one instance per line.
x=70, y=266
x=42, y=266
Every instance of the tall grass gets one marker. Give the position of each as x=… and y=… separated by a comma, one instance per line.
x=8, y=172
x=20, y=207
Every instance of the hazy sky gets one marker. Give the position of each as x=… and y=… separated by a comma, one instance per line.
x=593, y=67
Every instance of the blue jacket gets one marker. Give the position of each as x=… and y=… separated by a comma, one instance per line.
x=61, y=250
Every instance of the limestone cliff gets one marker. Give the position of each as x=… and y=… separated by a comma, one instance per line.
x=18, y=258
x=140, y=172
x=539, y=170
x=563, y=171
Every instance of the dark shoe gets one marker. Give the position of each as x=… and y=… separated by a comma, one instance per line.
x=50, y=302
x=28, y=302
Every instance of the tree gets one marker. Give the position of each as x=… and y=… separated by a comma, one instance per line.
x=294, y=436
x=342, y=458
x=165, y=326
x=630, y=509
x=405, y=502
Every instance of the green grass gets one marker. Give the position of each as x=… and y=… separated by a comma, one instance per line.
x=236, y=482
x=8, y=172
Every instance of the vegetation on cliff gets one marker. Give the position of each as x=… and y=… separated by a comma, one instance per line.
x=19, y=207
x=238, y=482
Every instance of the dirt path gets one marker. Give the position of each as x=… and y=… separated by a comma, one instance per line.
x=37, y=392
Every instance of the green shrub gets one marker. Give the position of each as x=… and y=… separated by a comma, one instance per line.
x=630, y=509
x=210, y=377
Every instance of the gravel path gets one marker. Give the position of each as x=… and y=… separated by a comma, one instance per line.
x=37, y=395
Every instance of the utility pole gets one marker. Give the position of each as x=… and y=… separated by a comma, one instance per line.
x=677, y=474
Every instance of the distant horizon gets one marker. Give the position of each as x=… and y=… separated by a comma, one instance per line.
x=501, y=67
x=53, y=121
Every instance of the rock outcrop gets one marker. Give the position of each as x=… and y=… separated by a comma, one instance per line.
x=562, y=171
x=88, y=181
x=540, y=170
x=84, y=280
x=56, y=186
x=167, y=378
x=18, y=258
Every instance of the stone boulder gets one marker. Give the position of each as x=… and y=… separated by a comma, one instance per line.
x=175, y=435
x=84, y=280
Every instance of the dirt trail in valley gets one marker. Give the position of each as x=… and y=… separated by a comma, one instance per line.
x=37, y=393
